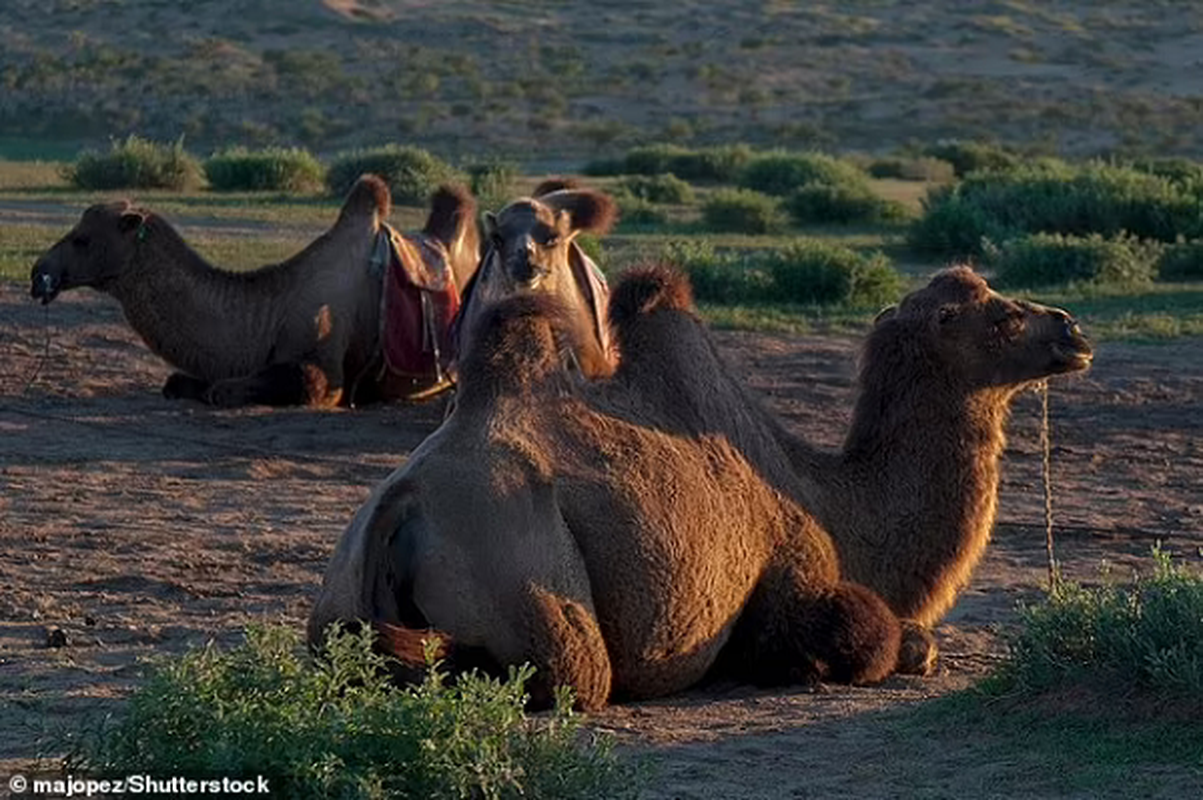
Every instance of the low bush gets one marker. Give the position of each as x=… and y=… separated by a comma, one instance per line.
x=721, y=164
x=1181, y=261
x=490, y=182
x=923, y=168
x=336, y=727
x=967, y=157
x=637, y=212
x=806, y=271
x=663, y=188
x=1054, y=197
x=845, y=203
x=781, y=173
x=1180, y=170
x=136, y=163
x=815, y=272
x=742, y=211
x=277, y=169
x=721, y=278
x=1148, y=636
x=411, y=172
x=1051, y=259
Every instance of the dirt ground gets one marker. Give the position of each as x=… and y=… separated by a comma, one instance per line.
x=140, y=526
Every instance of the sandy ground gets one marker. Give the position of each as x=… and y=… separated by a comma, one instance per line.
x=140, y=526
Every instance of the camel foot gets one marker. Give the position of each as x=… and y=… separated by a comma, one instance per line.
x=918, y=652
x=791, y=634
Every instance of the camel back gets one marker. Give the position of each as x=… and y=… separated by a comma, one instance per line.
x=418, y=301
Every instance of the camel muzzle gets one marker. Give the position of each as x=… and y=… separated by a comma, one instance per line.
x=44, y=286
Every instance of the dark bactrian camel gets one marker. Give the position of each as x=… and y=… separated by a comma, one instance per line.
x=305, y=331
x=573, y=525
x=910, y=499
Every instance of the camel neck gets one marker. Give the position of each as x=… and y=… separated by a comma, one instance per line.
x=185, y=308
x=915, y=487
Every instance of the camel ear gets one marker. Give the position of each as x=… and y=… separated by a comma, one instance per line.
x=590, y=210
x=489, y=223
x=886, y=313
x=564, y=228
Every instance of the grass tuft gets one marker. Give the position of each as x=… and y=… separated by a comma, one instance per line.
x=336, y=727
x=1144, y=638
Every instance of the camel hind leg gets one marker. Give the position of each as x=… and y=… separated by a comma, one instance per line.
x=792, y=632
x=284, y=384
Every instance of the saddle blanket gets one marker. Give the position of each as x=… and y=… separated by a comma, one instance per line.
x=418, y=302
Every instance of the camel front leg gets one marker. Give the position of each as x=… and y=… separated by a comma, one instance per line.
x=288, y=384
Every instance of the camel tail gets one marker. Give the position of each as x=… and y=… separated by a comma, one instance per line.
x=452, y=212
x=641, y=290
x=369, y=195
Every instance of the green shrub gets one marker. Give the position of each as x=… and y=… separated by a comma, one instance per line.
x=923, y=168
x=271, y=169
x=1050, y=259
x=1181, y=261
x=721, y=164
x=637, y=212
x=782, y=173
x=1053, y=197
x=1180, y=170
x=664, y=188
x=411, y=172
x=721, y=278
x=967, y=157
x=136, y=163
x=490, y=182
x=806, y=271
x=1146, y=637
x=742, y=211
x=815, y=272
x=820, y=203
x=605, y=167
x=337, y=728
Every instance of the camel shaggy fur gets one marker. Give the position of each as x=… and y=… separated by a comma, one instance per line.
x=576, y=526
x=302, y=331
x=910, y=499
x=531, y=246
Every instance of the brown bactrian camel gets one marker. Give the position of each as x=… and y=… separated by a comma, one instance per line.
x=567, y=523
x=305, y=331
x=910, y=499
x=530, y=245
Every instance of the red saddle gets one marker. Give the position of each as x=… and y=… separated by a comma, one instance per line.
x=418, y=302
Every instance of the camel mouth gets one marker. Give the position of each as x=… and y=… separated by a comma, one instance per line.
x=44, y=288
x=1073, y=356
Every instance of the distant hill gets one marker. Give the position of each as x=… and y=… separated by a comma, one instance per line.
x=543, y=80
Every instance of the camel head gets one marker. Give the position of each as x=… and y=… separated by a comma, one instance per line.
x=978, y=338
x=94, y=253
x=531, y=236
